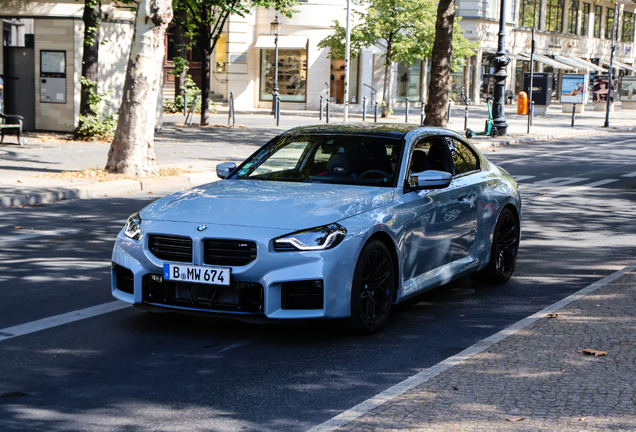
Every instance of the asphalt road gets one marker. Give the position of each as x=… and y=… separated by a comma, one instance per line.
x=128, y=370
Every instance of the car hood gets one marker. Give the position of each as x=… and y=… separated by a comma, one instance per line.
x=268, y=204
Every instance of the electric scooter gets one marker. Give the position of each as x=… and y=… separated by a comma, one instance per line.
x=490, y=128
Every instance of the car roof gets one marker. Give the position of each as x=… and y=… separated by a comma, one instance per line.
x=388, y=130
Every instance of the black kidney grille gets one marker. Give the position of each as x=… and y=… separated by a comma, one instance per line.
x=171, y=248
x=228, y=252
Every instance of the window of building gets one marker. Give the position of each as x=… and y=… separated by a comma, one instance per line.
x=554, y=16
x=598, y=13
x=292, y=74
x=529, y=14
x=585, y=19
x=409, y=81
x=609, y=22
x=336, y=88
x=573, y=16
x=628, y=27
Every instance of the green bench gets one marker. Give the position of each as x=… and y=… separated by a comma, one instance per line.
x=10, y=124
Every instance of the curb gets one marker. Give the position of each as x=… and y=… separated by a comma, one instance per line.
x=105, y=189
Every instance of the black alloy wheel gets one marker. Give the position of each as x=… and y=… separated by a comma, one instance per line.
x=373, y=289
x=505, y=247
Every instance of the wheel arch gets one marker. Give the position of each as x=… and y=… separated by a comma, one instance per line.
x=390, y=245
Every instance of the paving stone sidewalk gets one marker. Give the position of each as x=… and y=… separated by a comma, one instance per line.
x=536, y=379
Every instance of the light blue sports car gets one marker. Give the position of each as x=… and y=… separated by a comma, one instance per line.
x=324, y=222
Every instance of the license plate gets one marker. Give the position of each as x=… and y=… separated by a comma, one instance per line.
x=197, y=274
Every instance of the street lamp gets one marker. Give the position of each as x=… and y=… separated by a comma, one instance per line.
x=274, y=29
x=500, y=75
x=611, y=68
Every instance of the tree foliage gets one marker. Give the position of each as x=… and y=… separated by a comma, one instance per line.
x=406, y=28
x=203, y=22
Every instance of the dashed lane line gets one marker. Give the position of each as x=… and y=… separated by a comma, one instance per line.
x=629, y=175
x=575, y=189
x=58, y=320
x=427, y=374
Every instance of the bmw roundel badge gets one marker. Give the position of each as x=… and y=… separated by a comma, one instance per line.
x=202, y=227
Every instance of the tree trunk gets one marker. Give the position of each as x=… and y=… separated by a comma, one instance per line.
x=437, y=106
x=90, y=56
x=132, y=150
x=180, y=42
x=207, y=75
x=388, y=62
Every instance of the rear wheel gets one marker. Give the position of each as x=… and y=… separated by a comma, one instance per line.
x=494, y=132
x=504, y=249
x=469, y=133
x=372, y=290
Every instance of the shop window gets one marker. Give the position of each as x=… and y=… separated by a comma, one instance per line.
x=292, y=74
x=573, y=16
x=585, y=19
x=529, y=15
x=456, y=82
x=554, y=16
x=609, y=22
x=409, y=81
x=337, y=75
x=628, y=27
x=598, y=12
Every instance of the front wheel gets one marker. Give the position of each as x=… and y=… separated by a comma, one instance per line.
x=372, y=290
x=504, y=249
x=494, y=132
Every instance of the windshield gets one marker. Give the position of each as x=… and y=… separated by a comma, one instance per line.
x=342, y=159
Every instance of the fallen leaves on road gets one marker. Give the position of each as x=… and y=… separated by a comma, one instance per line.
x=516, y=419
x=17, y=227
x=583, y=418
x=102, y=175
x=552, y=315
x=595, y=353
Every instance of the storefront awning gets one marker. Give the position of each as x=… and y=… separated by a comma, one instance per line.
x=619, y=65
x=284, y=42
x=578, y=64
x=547, y=60
x=589, y=65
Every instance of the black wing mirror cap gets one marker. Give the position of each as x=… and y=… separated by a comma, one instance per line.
x=224, y=169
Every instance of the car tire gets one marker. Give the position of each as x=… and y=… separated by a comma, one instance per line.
x=504, y=250
x=372, y=290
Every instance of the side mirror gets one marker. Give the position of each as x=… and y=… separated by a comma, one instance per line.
x=224, y=169
x=432, y=179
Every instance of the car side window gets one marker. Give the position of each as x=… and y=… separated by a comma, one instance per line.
x=464, y=159
x=428, y=154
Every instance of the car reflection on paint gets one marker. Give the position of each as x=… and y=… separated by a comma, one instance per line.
x=333, y=222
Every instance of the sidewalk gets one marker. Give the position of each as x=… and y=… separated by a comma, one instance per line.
x=27, y=173
x=536, y=379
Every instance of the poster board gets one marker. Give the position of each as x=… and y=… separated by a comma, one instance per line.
x=573, y=88
x=627, y=89
x=601, y=88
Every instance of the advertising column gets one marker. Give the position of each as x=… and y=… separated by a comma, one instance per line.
x=573, y=91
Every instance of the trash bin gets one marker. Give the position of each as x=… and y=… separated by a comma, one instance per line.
x=522, y=103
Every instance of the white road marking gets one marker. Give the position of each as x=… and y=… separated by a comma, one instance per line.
x=521, y=178
x=58, y=320
x=422, y=377
x=560, y=181
x=575, y=189
x=27, y=234
x=629, y=175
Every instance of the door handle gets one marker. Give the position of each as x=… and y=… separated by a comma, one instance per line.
x=462, y=198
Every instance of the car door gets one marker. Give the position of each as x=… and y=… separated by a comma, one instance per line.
x=461, y=214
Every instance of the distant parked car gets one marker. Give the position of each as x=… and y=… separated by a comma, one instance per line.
x=324, y=222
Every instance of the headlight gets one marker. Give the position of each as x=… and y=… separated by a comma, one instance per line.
x=321, y=238
x=133, y=227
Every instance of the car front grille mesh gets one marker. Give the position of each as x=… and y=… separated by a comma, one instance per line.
x=228, y=252
x=171, y=248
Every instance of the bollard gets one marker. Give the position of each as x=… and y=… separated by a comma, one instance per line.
x=230, y=115
x=466, y=117
x=364, y=108
x=321, y=107
x=328, y=110
x=449, y=111
x=573, y=113
x=185, y=104
x=277, y=110
x=422, y=113
x=531, y=112
x=375, y=114
x=406, y=115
